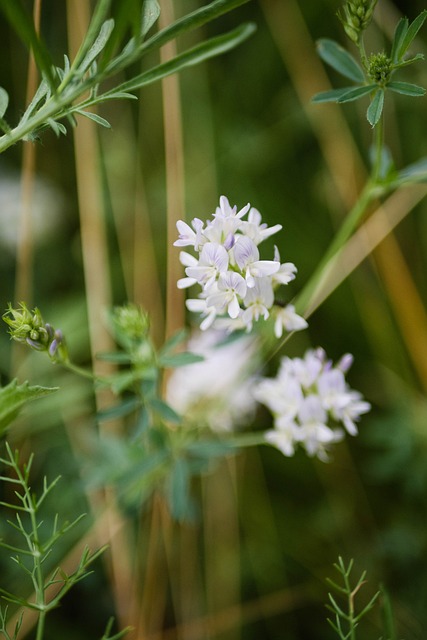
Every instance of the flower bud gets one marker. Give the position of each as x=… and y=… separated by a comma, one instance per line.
x=356, y=16
x=29, y=327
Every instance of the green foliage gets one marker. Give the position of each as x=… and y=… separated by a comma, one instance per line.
x=347, y=618
x=375, y=74
x=31, y=556
x=14, y=396
x=62, y=91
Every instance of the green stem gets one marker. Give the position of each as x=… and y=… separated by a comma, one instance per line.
x=40, y=625
x=362, y=52
x=351, y=222
x=308, y=293
x=379, y=145
x=81, y=372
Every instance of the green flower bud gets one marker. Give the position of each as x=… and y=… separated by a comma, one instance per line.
x=131, y=321
x=29, y=327
x=380, y=67
x=356, y=16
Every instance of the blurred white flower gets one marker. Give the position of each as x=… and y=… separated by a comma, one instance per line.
x=217, y=392
x=310, y=399
x=288, y=319
x=235, y=283
x=47, y=205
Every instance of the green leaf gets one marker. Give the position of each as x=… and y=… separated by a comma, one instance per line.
x=340, y=60
x=93, y=32
x=399, y=35
x=42, y=92
x=191, y=21
x=180, y=359
x=203, y=51
x=13, y=397
x=150, y=13
x=173, y=341
x=411, y=33
x=407, y=88
x=331, y=96
x=95, y=117
x=57, y=127
x=165, y=411
x=99, y=44
x=119, y=410
x=414, y=173
x=358, y=92
x=375, y=109
x=178, y=486
x=4, y=101
x=210, y=449
x=114, y=95
x=23, y=24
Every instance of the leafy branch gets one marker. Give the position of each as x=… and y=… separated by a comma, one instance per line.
x=75, y=88
x=346, y=619
x=32, y=553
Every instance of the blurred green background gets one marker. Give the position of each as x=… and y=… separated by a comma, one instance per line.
x=254, y=567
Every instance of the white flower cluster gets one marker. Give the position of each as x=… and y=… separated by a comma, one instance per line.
x=234, y=281
x=308, y=395
x=217, y=392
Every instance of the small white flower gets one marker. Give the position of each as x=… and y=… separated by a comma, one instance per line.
x=213, y=261
x=288, y=319
x=225, y=210
x=230, y=287
x=188, y=237
x=286, y=272
x=258, y=301
x=283, y=438
x=198, y=305
x=188, y=261
x=246, y=255
x=256, y=230
x=282, y=397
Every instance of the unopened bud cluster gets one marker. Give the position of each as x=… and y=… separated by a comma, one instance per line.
x=28, y=327
x=131, y=321
x=380, y=68
x=356, y=16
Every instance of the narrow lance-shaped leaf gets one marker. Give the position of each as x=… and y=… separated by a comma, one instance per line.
x=180, y=502
x=340, y=60
x=97, y=46
x=375, y=109
x=165, y=411
x=203, y=51
x=98, y=18
x=356, y=93
x=4, y=101
x=173, y=342
x=179, y=359
x=191, y=21
x=150, y=13
x=399, y=35
x=411, y=33
x=95, y=117
x=23, y=24
x=407, y=88
x=331, y=96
